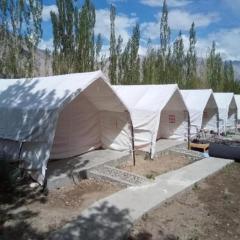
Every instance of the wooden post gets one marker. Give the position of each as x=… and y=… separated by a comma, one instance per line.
x=189, y=126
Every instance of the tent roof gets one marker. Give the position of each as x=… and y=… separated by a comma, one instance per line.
x=224, y=100
x=45, y=92
x=197, y=99
x=146, y=97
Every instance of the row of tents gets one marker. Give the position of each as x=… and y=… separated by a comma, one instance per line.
x=64, y=116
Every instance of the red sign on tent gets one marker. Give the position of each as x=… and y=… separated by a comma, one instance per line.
x=171, y=118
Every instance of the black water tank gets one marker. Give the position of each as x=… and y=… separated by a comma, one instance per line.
x=222, y=150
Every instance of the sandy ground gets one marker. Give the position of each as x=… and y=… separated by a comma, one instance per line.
x=160, y=165
x=208, y=211
x=28, y=214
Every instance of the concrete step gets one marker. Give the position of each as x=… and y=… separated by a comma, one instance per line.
x=117, y=175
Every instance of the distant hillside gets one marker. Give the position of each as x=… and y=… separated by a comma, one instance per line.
x=43, y=63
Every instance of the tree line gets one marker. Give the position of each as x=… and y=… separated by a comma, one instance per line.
x=76, y=48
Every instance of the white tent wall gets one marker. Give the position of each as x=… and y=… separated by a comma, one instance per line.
x=174, y=118
x=30, y=110
x=203, y=110
x=237, y=99
x=227, y=110
x=150, y=103
x=146, y=125
x=232, y=115
x=78, y=129
x=210, y=115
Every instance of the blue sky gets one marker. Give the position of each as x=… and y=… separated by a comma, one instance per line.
x=217, y=20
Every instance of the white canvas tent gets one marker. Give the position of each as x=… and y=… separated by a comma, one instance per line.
x=237, y=99
x=203, y=110
x=157, y=111
x=227, y=109
x=61, y=116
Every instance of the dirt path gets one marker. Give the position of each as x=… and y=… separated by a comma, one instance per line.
x=211, y=210
x=28, y=214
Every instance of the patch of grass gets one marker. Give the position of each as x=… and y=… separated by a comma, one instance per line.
x=195, y=187
x=150, y=176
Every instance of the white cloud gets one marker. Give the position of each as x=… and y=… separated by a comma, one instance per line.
x=227, y=43
x=178, y=20
x=123, y=25
x=46, y=11
x=182, y=20
x=46, y=44
x=150, y=30
x=170, y=3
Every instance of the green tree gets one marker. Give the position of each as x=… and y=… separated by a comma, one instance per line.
x=73, y=37
x=130, y=58
x=149, y=65
x=20, y=33
x=113, y=54
x=164, y=32
x=134, y=58
x=229, y=83
x=191, y=60
x=214, y=69
x=63, y=24
x=85, y=38
x=99, y=44
x=178, y=60
x=119, y=59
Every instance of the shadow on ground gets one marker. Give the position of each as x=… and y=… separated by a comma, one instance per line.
x=103, y=222
x=14, y=197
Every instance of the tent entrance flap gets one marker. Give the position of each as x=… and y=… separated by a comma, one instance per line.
x=89, y=122
x=173, y=119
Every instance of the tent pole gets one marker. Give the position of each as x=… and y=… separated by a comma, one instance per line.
x=133, y=146
x=188, y=132
x=132, y=137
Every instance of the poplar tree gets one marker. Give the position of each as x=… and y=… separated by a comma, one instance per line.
x=98, y=50
x=63, y=24
x=125, y=63
x=178, y=60
x=214, y=68
x=73, y=37
x=119, y=59
x=149, y=65
x=85, y=38
x=164, y=37
x=20, y=33
x=134, y=58
x=229, y=79
x=113, y=54
x=130, y=58
x=191, y=59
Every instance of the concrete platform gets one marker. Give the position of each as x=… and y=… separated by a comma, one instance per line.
x=65, y=172
x=112, y=217
x=61, y=172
